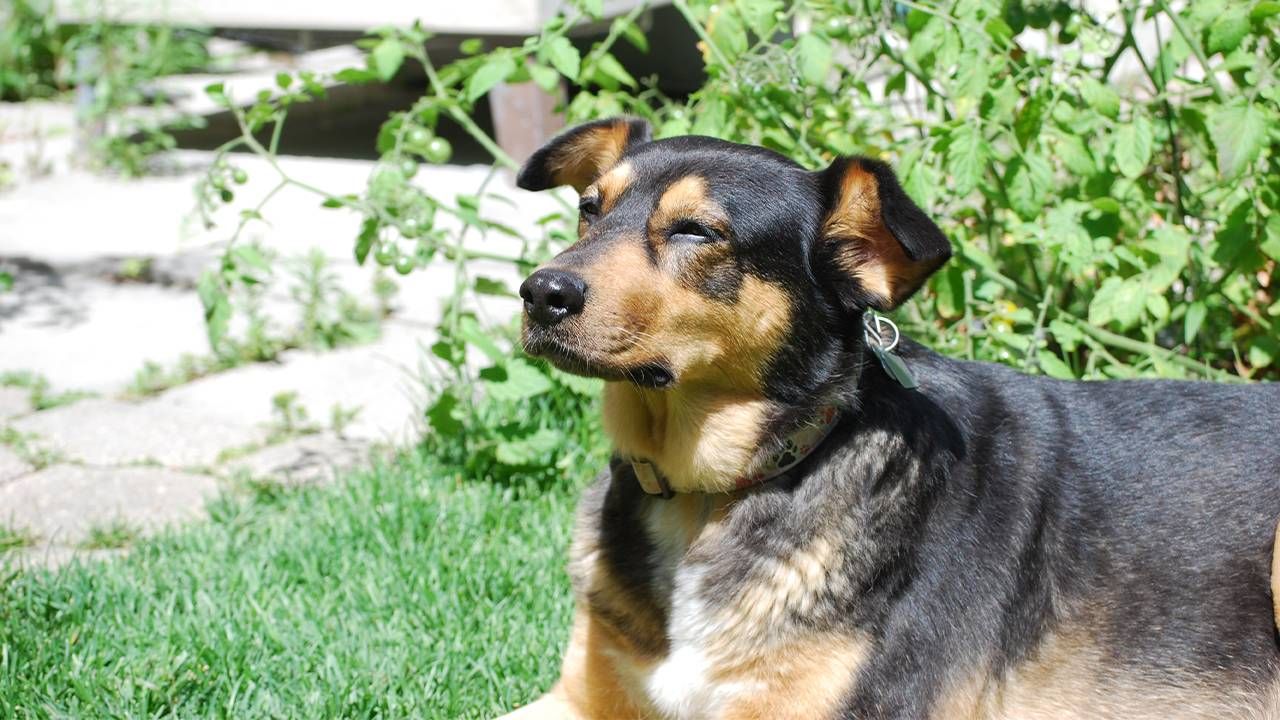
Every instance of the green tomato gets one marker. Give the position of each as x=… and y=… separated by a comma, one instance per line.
x=405, y=264
x=410, y=227
x=438, y=151
x=239, y=176
x=386, y=254
x=408, y=167
x=418, y=137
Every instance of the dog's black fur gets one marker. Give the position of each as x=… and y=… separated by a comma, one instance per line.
x=982, y=518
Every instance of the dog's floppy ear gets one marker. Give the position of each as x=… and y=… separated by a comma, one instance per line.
x=581, y=154
x=879, y=246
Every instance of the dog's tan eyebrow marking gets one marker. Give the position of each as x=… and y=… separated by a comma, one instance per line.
x=611, y=185
x=687, y=199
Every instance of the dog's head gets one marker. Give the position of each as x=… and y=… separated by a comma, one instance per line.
x=712, y=272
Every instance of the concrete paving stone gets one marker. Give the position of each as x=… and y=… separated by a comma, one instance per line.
x=89, y=334
x=14, y=401
x=382, y=379
x=114, y=432
x=62, y=503
x=12, y=467
x=306, y=460
x=152, y=216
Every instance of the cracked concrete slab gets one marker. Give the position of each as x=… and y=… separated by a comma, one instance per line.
x=12, y=466
x=88, y=334
x=115, y=432
x=307, y=460
x=63, y=504
x=381, y=379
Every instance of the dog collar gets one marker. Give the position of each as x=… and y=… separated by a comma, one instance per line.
x=795, y=448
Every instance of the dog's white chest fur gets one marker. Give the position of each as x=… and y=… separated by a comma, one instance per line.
x=691, y=680
x=737, y=652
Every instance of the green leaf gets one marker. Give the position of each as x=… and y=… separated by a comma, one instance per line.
x=563, y=56
x=966, y=157
x=1029, y=184
x=522, y=380
x=217, y=92
x=1264, y=351
x=1100, y=97
x=1053, y=366
x=284, y=80
x=585, y=386
x=999, y=30
x=528, y=449
x=1075, y=156
x=217, y=307
x=1271, y=240
x=443, y=416
x=1117, y=300
x=1067, y=335
x=948, y=288
x=496, y=69
x=386, y=57
x=1133, y=146
x=1264, y=10
x=6, y=281
x=544, y=77
x=1238, y=132
x=364, y=241
x=489, y=286
x=610, y=67
x=247, y=257
x=1158, y=306
x=1193, y=321
x=469, y=331
x=813, y=55
x=1228, y=30
x=632, y=33
x=727, y=32
x=355, y=76
x=1027, y=125
x=761, y=16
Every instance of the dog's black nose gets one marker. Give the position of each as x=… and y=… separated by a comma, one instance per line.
x=552, y=295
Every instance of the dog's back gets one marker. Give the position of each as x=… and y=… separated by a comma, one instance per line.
x=1111, y=543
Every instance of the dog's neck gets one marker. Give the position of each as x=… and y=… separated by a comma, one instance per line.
x=701, y=439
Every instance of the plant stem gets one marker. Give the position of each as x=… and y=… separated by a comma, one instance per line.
x=1194, y=44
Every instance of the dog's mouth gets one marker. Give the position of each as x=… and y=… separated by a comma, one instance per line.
x=540, y=343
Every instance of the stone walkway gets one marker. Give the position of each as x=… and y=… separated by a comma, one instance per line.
x=87, y=476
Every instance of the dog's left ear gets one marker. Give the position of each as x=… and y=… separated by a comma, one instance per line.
x=581, y=154
x=878, y=244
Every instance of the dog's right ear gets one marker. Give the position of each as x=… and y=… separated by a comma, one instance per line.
x=581, y=154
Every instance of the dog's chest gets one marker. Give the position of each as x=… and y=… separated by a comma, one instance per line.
x=739, y=640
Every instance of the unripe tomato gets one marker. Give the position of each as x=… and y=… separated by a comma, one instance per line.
x=438, y=151
x=386, y=254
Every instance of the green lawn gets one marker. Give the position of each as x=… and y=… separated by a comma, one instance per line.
x=402, y=592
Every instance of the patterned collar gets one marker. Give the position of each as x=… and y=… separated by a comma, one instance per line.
x=795, y=448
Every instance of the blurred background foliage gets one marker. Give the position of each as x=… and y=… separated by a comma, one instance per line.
x=1109, y=180
x=1112, y=203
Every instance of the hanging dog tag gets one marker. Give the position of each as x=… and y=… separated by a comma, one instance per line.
x=874, y=327
x=896, y=369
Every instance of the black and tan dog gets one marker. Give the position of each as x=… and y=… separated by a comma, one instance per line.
x=789, y=530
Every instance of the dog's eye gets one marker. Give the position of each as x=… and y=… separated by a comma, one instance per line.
x=589, y=207
x=693, y=232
